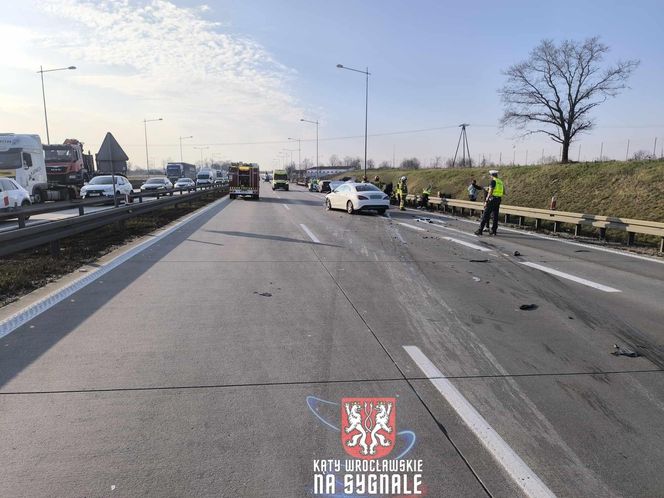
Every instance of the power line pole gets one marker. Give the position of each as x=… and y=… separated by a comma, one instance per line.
x=463, y=141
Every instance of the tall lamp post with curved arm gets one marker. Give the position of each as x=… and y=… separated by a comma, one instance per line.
x=316, y=123
x=366, y=109
x=41, y=72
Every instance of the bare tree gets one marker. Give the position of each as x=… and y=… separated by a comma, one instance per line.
x=642, y=155
x=459, y=163
x=385, y=164
x=410, y=163
x=335, y=161
x=436, y=162
x=353, y=162
x=554, y=90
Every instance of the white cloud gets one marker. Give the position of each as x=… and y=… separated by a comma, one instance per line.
x=137, y=58
x=172, y=53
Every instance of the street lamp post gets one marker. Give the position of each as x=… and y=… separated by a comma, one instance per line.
x=145, y=130
x=366, y=109
x=299, y=151
x=41, y=72
x=181, y=139
x=316, y=123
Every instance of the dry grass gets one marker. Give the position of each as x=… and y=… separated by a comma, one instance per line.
x=626, y=189
x=26, y=271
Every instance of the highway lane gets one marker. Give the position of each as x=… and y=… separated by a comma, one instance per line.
x=466, y=319
x=186, y=372
x=246, y=312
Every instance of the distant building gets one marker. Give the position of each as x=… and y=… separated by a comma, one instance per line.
x=328, y=170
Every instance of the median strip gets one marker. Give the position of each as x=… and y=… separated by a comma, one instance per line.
x=568, y=276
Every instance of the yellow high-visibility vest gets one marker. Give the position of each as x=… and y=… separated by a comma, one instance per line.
x=499, y=189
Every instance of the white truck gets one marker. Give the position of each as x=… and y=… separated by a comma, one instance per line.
x=206, y=177
x=22, y=158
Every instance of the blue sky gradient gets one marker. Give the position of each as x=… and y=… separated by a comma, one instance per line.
x=433, y=64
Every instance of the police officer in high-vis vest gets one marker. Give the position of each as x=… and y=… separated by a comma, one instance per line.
x=492, y=203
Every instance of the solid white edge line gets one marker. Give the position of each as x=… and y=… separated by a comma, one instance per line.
x=568, y=276
x=412, y=226
x=310, y=233
x=467, y=244
x=502, y=453
x=572, y=243
x=284, y=205
x=8, y=325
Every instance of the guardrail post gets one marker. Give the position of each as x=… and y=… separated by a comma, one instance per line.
x=54, y=248
x=507, y=218
x=21, y=220
x=520, y=220
x=602, y=233
x=538, y=223
x=140, y=198
x=81, y=210
x=577, y=230
x=556, y=226
x=661, y=244
x=630, y=238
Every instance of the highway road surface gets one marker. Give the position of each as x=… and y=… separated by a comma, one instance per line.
x=215, y=362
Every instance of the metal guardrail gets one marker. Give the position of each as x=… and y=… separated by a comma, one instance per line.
x=22, y=214
x=578, y=220
x=53, y=231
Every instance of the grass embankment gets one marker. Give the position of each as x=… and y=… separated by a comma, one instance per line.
x=26, y=271
x=626, y=189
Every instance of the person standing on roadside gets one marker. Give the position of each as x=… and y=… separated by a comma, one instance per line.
x=473, y=189
x=494, y=197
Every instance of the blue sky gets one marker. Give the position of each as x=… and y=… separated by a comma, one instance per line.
x=246, y=71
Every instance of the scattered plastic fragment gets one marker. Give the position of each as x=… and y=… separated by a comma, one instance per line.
x=517, y=253
x=620, y=351
x=264, y=294
x=528, y=307
x=477, y=279
x=82, y=269
x=479, y=260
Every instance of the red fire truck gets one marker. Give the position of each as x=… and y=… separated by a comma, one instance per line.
x=244, y=180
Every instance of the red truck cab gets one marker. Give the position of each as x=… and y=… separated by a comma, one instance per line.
x=66, y=164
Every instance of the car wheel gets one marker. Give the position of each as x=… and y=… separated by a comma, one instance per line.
x=38, y=196
x=328, y=204
x=349, y=207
